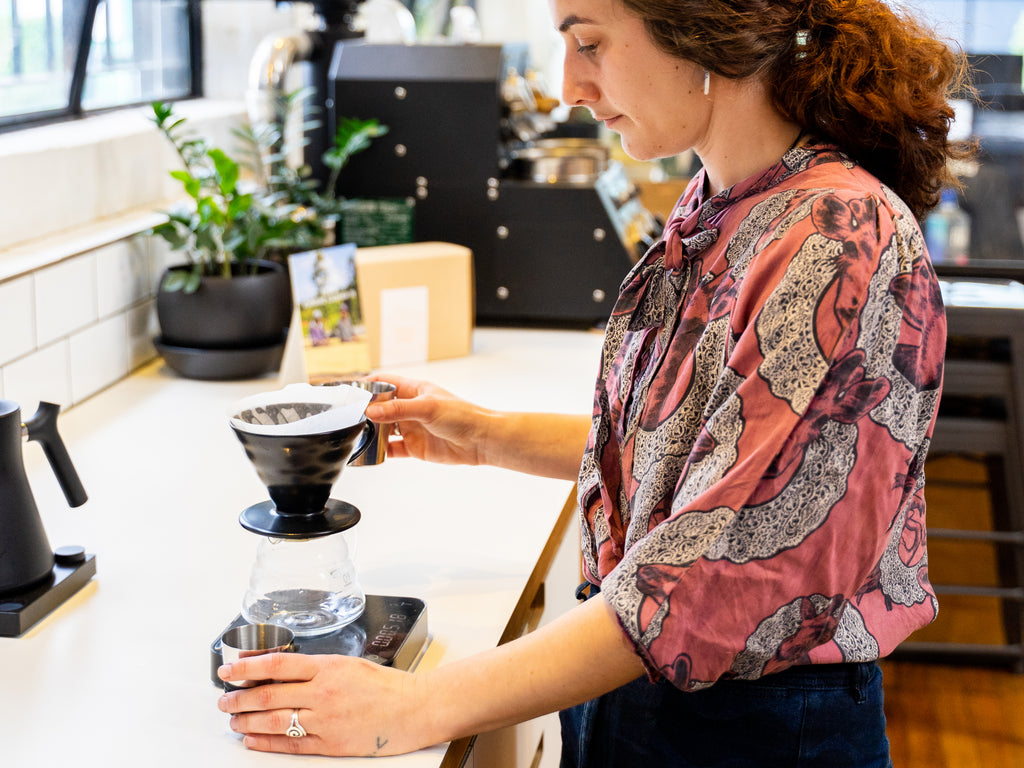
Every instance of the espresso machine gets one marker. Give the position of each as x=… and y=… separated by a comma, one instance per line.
x=554, y=225
x=299, y=440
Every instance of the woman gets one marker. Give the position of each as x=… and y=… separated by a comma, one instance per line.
x=750, y=483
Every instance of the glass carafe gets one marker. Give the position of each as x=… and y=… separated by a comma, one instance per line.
x=307, y=585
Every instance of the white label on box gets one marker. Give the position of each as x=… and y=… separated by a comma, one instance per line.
x=404, y=325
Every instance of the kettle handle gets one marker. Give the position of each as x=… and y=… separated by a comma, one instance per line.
x=43, y=428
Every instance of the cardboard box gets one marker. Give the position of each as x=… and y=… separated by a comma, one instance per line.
x=417, y=301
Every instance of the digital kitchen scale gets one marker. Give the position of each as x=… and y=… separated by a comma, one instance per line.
x=392, y=631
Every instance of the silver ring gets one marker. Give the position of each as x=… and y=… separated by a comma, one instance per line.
x=295, y=730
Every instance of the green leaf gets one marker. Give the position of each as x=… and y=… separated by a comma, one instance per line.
x=238, y=205
x=175, y=280
x=351, y=137
x=227, y=170
x=207, y=239
x=161, y=111
x=173, y=233
x=192, y=281
x=191, y=184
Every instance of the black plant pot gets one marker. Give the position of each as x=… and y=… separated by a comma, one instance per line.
x=229, y=328
x=228, y=313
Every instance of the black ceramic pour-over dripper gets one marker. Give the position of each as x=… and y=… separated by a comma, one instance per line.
x=299, y=472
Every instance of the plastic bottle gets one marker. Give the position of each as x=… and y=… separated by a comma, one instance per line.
x=947, y=231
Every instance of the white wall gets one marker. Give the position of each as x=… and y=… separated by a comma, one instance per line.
x=525, y=21
x=231, y=31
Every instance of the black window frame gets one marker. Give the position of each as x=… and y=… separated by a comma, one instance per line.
x=73, y=109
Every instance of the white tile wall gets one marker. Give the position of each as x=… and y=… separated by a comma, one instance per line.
x=69, y=330
x=48, y=181
x=160, y=257
x=142, y=328
x=17, y=318
x=65, y=298
x=123, y=181
x=42, y=375
x=99, y=356
x=124, y=275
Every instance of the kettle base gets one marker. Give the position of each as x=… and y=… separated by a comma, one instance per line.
x=20, y=611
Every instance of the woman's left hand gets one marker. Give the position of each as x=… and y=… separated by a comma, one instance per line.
x=345, y=705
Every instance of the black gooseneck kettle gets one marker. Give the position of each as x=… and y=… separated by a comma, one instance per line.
x=25, y=554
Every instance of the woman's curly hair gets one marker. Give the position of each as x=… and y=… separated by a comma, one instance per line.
x=871, y=79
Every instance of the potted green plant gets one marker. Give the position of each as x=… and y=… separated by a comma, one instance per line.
x=224, y=311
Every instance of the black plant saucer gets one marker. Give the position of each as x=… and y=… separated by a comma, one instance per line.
x=221, y=364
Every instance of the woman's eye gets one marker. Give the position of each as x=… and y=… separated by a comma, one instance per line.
x=586, y=49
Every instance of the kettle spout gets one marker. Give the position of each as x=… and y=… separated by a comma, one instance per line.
x=42, y=427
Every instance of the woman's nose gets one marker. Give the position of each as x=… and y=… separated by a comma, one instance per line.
x=577, y=89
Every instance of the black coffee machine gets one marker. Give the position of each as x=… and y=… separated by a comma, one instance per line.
x=553, y=224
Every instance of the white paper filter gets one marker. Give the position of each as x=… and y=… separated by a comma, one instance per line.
x=300, y=409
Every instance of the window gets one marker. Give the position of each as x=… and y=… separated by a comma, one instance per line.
x=133, y=52
x=980, y=26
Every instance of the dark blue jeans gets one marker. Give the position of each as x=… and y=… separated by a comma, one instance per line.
x=820, y=716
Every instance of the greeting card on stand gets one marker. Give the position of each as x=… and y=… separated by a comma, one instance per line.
x=327, y=299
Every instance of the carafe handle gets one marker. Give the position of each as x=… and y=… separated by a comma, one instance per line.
x=42, y=427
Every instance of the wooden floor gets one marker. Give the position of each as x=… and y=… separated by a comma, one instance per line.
x=957, y=716
x=954, y=717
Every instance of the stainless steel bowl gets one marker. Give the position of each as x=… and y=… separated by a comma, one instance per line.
x=567, y=161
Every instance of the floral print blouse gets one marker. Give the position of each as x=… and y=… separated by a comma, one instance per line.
x=752, y=493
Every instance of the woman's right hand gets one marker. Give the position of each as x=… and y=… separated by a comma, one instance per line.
x=431, y=423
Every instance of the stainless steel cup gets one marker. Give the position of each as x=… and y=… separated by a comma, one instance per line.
x=253, y=640
x=377, y=450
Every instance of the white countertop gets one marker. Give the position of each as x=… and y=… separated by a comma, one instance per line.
x=167, y=479
x=982, y=292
